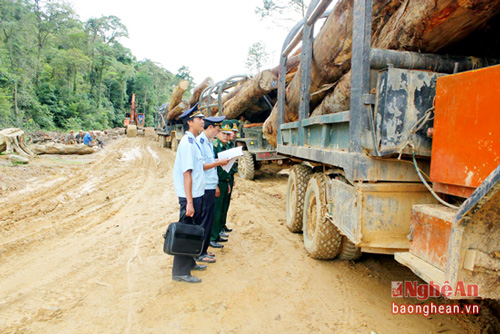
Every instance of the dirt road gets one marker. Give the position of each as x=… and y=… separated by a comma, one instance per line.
x=81, y=252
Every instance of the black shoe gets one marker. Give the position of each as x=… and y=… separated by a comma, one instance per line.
x=223, y=234
x=227, y=230
x=219, y=239
x=186, y=278
x=199, y=267
x=215, y=244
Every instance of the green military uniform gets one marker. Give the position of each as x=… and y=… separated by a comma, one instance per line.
x=221, y=202
x=234, y=168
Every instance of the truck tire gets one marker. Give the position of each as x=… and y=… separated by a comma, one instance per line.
x=246, y=166
x=174, y=143
x=295, y=191
x=162, y=141
x=322, y=239
x=349, y=251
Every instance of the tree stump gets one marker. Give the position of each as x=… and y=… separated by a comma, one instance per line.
x=12, y=140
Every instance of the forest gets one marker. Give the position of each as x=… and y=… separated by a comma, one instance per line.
x=59, y=73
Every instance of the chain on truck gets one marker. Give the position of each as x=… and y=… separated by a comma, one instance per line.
x=412, y=169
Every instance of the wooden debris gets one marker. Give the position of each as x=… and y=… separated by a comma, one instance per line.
x=62, y=149
x=12, y=140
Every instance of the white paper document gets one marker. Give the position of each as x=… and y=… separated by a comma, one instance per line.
x=231, y=154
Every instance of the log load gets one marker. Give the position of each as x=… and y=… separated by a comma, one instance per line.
x=199, y=89
x=235, y=91
x=177, y=111
x=13, y=140
x=262, y=84
x=411, y=25
x=62, y=149
x=337, y=99
x=177, y=93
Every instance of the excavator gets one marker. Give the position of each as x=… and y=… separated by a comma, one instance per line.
x=133, y=122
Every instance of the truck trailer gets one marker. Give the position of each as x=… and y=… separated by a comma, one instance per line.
x=412, y=169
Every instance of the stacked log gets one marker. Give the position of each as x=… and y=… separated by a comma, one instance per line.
x=250, y=93
x=177, y=110
x=176, y=100
x=199, y=89
x=235, y=91
x=411, y=25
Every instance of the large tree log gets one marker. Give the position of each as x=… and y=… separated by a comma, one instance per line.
x=12, y=140
x=250, y=93
x=62, y=149
x=177, y=111
x=177, y=93
x=412, y=25
x=199, y=89
x=235, y=91
x=338, y=99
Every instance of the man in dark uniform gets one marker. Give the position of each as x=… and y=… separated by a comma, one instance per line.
x=211, y=129
x=189, y=183
x=223, y=188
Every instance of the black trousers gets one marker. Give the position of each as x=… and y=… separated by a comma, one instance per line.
x=207, y=217
x=183, y=264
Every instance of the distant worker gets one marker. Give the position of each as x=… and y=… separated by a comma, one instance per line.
x=70, y=139
x=99, y=141
x=89, y=139
x=79, y=137
x=189, y=183
x=211, y=129
x=223, y=189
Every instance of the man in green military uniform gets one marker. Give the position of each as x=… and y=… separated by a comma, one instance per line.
x=223, y=189
x=232, y=172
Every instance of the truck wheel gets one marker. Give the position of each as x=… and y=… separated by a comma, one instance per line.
x=322, y=239
x=349, y=251
x=246, y=166
x=174, y=144
x=162, y=141
x=295, y=191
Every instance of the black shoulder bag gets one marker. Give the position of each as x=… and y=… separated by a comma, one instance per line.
x=184, y=238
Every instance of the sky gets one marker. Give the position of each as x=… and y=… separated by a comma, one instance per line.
x=211, y=38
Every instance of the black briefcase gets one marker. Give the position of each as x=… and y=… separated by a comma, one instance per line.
x=184, y=238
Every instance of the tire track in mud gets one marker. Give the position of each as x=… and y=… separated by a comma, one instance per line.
x=128, y=181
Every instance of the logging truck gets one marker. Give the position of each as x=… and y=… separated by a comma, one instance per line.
x=169, y=133
x=256, y=151
x=412, y=168
x=240, y=95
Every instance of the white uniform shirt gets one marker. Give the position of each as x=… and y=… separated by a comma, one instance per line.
x=189, y=157
x=211, y=178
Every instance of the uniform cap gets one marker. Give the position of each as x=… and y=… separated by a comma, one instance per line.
x=214, y=120
x=191, y=113
x=227, y=126
x=235, y=125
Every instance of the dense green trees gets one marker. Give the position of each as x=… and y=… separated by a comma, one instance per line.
x=57, y=72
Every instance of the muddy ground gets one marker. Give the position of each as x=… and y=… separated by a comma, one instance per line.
x=81, y=252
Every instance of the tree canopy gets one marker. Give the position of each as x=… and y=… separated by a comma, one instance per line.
x=57, y=72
